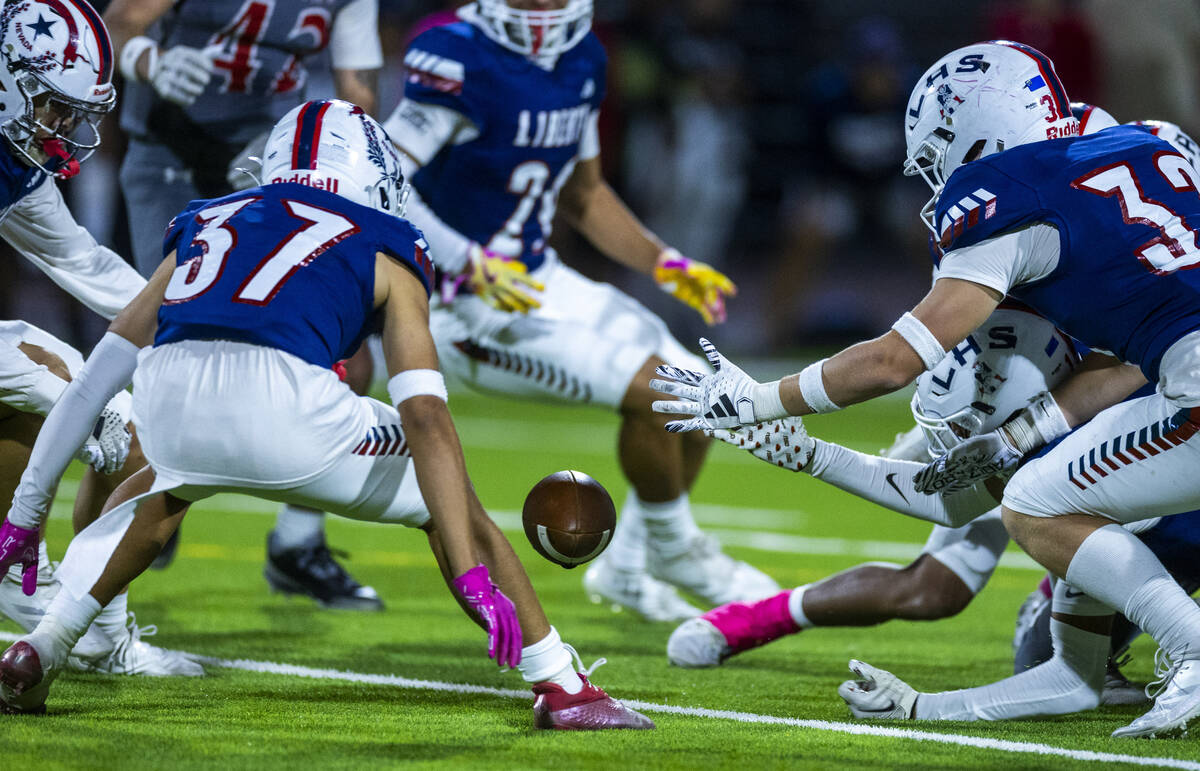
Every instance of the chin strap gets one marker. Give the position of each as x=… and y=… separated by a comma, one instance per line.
x=54, y=149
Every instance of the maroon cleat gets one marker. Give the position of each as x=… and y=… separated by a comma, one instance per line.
x=22, y=690
x=589, y=710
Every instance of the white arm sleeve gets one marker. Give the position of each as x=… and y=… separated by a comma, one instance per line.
x=1005, y=261
x=26, y=385
x=41, y=228
x=108, y=370
x=888, y=482
x=354, y=40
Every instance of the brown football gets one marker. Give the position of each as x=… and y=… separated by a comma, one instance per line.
x=569, y=518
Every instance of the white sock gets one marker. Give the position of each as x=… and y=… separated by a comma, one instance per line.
x=114, y=618
x=549, y=660
x=298, y=526
x=1070, y=681
x=64, y=623
x=796, y=607
x=627, y=550
x=669, y=525
x=1115, y=567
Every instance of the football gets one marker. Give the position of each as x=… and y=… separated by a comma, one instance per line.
x=569, y=518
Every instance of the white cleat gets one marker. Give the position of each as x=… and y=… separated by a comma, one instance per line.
x=697, y=644
x=1178, y=701
x=27, y=612
x=707, y=572
x=132, y=656
x=636, y=590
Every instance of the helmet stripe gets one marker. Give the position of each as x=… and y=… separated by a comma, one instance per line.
x=1048, y=74
x=308, y=134
x=102, y=40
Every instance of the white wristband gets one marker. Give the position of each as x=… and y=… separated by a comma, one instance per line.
x=921, y=339
x=132, y=51
x=1048, y=417
x=812, y=388
x=417, y=382
x=768, y=405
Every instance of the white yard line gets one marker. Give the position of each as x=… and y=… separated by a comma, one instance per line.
x=962, y=740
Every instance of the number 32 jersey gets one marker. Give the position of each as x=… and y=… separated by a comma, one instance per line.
x=284, y=266
x=1127, y=210
x=500, y=188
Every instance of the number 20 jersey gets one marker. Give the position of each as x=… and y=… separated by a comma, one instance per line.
x=284, y=266
x=1127, y=210
x=501, y=188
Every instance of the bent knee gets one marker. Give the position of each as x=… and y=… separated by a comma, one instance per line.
x=930, y=591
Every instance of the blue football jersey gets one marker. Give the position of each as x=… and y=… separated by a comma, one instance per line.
x=501, y=188
x=285, y=266
x=17, y=179
x=1126, y=207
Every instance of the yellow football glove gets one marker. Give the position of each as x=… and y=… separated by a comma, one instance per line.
x=694, y=283
x=500, y=281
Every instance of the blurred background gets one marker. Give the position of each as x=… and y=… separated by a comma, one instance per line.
x=764, y=137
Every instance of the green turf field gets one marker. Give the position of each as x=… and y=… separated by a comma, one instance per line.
x=213, y=601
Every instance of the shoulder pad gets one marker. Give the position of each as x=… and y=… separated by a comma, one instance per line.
x=407, y=245
x=178, y=225
x=979, y=202
x=437, y=61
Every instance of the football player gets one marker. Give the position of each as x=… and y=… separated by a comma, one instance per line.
x=205, y=82
x=1096, y=233
x=259, y=293
x=57, y=67
x=498, y=128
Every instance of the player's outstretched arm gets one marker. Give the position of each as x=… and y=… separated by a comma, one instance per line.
x=106, y=371
x=178, y=74
x=419, y=393
x=596, y=211
x=728, y=397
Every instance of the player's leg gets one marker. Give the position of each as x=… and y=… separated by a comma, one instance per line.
x=1134, y=461
x=955, y=566
x=299, y=562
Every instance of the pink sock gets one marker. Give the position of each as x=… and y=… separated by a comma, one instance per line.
x=751, y=624
x=1044, y=586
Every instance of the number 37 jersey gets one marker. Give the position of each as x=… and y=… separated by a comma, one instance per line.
x=500, y=188
x=1126, y=206
x=284, y=266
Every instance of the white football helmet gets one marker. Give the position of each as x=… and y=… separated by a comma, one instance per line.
x=1014, y=356
x=533, y=33
x=1092, y=118
x=979, y=100
x=1186, y=146
x=55, y=79
x=334, y=145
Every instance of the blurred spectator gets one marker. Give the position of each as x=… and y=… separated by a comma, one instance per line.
x=852, y=215
x=1061, y=30
x=1151, y=59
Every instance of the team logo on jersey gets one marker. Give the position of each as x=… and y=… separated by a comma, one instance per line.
x=551, y=128
x=970, y=210
x=588, y=90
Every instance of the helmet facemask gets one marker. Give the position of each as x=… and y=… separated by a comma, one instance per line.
x=943, y=434
x=46, y=134
x=535, y=33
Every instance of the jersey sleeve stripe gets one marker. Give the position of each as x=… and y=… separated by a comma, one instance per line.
x=435, y=72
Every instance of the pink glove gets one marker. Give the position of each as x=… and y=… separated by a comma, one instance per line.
x=497, y=611
x=20, y=545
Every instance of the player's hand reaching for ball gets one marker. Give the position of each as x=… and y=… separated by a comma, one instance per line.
x=726, y=398
x=694, y=283
x=784, y=443
x=500, y=281
x=496, y=611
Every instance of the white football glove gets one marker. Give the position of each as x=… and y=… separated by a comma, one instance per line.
x=245, y=171
x=727, y=398
x=877, y=694
x=784, y=442
x=108, y=446
x=180, y=74
x=979, y=457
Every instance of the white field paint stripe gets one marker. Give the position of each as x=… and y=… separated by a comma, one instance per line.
x=962, y=740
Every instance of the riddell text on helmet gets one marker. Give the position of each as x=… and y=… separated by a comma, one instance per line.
x=310, y=180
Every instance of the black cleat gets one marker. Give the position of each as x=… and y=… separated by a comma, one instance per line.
x=311, y=571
